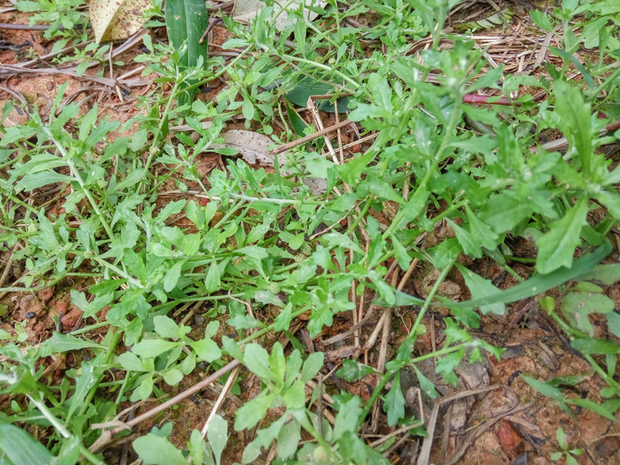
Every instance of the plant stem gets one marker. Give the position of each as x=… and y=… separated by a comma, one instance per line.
x=322, y=66
x=409, y=340
x=78, y=177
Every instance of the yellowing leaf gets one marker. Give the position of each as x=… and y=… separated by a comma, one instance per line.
x=117, y=19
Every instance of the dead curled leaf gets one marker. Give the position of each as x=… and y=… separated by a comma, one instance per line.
x=117, y=19
x=254, y=150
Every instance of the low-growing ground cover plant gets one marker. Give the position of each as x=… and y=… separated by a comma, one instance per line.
x=236, y=243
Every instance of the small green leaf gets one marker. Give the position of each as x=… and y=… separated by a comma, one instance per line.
x=447, y=364
x=613, y=321
x=401, y=300
x=595, y=346
x=206, y=350
x=352, y=370
x=606, y=274
x=544, y=388
x=578, y=306
x=155, y=450
x=395, y=402
x=84, y=382
x=351, y=171
x=231, y=347
x=312, y=365
x=481, y=288
x=64, y=343
x=173, y=376
x=468, y=241
x=541, y=20
x=248, y=110
x=336, y=239
x=288, y=440
x=166, y=327
x=252, y=412
x=427, y=387
x=400, y=252
x=283, y=320
x=132, y=362
x=577, y=118
x=295, y=396
x=218, y=436
x=144, y=389
x=346, y=420
x=152, y=347
x=172, y=276
x=256, y=359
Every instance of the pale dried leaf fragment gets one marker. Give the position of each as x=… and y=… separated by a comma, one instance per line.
x=254, y=150
x=246, y=10
x=117, y=19
x=252, y=146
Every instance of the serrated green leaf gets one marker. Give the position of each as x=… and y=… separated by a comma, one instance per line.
x=427, y=387
x=64, y=343
x=481, y=288
x=252, y=412
x=352, y=370
x=256, y=359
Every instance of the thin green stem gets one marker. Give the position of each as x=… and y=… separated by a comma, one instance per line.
x=410, y=338
x=92, y=458
x=163, y=120
x=429, y=172
x=224, y=70
x=361, y=215
x=115, y=269
x=325, y=67
x=78, y=177
x=116, y=336
x=55, y=422
x=604, y=85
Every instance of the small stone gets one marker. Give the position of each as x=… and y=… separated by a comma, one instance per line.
x=608, y=447
x=71, y=318
x=510, y=440
x=46, y=294
x=30, y=315
x=61, y=307
x=199, y=319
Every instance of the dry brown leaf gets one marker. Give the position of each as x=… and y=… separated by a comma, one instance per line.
x=117, y=19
